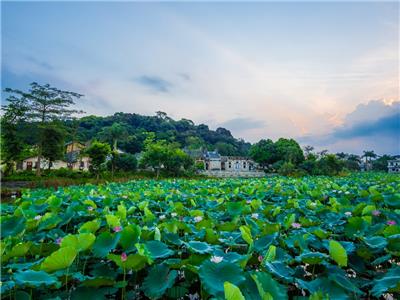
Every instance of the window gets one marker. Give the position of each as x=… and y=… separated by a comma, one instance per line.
x=244, y=165
x=229, y=165
x=82, y=164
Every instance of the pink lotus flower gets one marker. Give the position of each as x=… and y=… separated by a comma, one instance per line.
x=124, y=257
x=38, y=217
x=58, y=241
x=117, y=228
x=296, y=225
x=391, y=222
x=376, y=213
x=260, y=258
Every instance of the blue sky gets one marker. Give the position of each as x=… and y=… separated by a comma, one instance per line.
x=263, y=70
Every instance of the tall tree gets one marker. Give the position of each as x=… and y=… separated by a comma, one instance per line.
x=289, y=150
x=113, y=134
x=42, y=104
x=53, y=148
x=12, y=144
x=98, y=153
x=369, y=155
x=264, y=152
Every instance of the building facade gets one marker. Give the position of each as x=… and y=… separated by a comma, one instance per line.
x=394, y=166
x=73, y=160
x=213, y=161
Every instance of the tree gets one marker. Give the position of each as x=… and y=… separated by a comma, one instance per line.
x=381, y=163
x=98, y=153
x=308, y=150
x=154, y=155
x=169, y=156
x=125, y=162
x=368, y=155
x=329, y=165
x=264, y=152
x=12, y=144
x=53, y=149
x=225, y=149
x=112, y=134
x=289, y=151
x=42, y=104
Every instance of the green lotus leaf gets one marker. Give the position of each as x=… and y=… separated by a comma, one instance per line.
x=394, y=243
x=54, y=201
x=86, y=293
x=246, y=234
x=280, y=270
x=34, y=278
x=59, y=259
x=105, y=242
x=199, y=247
x=392, y=200
x=90, y=226
x=81, y=242
x=130, y=235
x=158, y=249
x=390, y=282
x=344, y=282
x=270, y=254
x=338, y=253
x=268, y=287
x=312, y=258
x=49, y=222
x=19, y=249
x=213, y=276
x=12, y=226
x=97, y=282
x=134, y=262
x=113, y=221
x=376, y=242
x=232, y=292
x=234, y=208
x=159, y=279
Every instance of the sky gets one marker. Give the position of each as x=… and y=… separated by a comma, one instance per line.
x=324, y=73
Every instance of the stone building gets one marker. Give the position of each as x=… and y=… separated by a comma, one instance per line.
x=213, y=161
x=394, y=166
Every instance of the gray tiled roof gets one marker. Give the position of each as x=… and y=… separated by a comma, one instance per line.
x=212, y=155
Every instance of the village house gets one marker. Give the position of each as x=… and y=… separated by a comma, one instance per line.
x=213, y=161
x=394, y=166
x=73, y=160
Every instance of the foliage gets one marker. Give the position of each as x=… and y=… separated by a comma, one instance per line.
x=381, y=163
x=125, y=162
x=271, y=238
x=264, y=152
x=53, y=148
x=98, y=153
x=162, y=155
x=41, y=104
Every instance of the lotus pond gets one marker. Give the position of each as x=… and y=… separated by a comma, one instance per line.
x=272, y=238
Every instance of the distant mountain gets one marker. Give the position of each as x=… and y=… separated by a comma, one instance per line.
x=135, y=129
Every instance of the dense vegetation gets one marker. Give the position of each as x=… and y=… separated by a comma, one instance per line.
x=317, y=237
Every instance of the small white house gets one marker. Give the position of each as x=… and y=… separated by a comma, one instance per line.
x=31, y=163
x=213, y=161
x=394, y=166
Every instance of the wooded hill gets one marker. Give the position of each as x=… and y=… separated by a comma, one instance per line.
x=131, y=130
